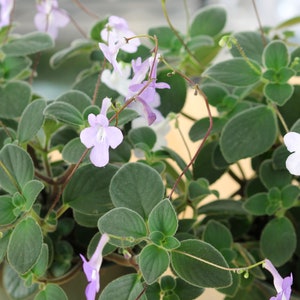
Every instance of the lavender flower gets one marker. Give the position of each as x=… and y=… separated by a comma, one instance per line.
x=282, y=285
x=6, y=7
x=148, y=98
x=101, y=136
x=114, y=35
x=50, y=17
x=292, y=142
x=92, y=267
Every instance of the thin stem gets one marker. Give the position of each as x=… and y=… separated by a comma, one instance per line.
x=66, y=182
x=197, y=91
x=34, y=68
x=85, y=9
x=77, y=26
x=183, y=138
x=259, y=23
x=280, y=117
x=163, y=3
x=237, y=270
x=235, y=177
x=241, y=170
x=188, y=116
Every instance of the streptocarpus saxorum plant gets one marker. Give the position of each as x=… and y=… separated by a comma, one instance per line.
x=96, y=203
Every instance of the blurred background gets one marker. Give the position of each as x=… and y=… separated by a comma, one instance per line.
x=141, y=15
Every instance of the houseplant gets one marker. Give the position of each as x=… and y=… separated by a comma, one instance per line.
x=94, y=200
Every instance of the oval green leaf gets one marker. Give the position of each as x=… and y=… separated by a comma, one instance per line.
x=16, y=168
x=25, y=245
x=31, y=120
x=275, y=237
x=88, y=184
x=51, y=291
x=235, y=72
x=125, y=226
x=153, y=262
x=249, y=133
x=193, y=262
x=129, y=188
x=128, y=287
x=276, y=55
x=14, y=97
x=163, y=218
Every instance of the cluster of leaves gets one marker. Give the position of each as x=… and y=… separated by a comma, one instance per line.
x=43, y=234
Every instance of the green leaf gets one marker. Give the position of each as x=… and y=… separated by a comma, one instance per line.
x=41, y=266
x=279, y=93
x=77, y=47
x=271, y=177
x=218, y=235
x=126, y=116
x=276, y=55
x=289, y=196
x=128, y=188
x=208, y=21
x=31, y=191
x=73, y=151
x=187, y=291
x=25, y=245
x=31, y=120
x=77, y=99
x=13, y=67
x=252, y=44
x=14, y=284
x=64, y=112
x=14, y=97
x=3, y=244
x=214, y=93
x=287, y=23
x=204, y=165
x=153, y=262
x=173, y=99
x=235, y=72
x=128, y=287
x=163, y=218
x=51, y=291
x=125, y=226
x=165, y=36
x=249, y=133
x=275, y=237
x=81, y=193
x=200, y=127
x=194, y=262
x=28, y=44
x=144, y=135
x=257, y=204
x=16, y=168
x=7, y=207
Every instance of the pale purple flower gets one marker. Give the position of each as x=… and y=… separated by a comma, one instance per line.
x=50, y=17
x=282, y=285
x=6, y=7
x=148, y=98
x=292, y=142
x=118, y=81
x=100, y=136
x=91, y=268
x=115, y=34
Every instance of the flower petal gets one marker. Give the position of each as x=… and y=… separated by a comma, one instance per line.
x=88, y=137
x=114, y=136
x=293, y=163
x=99, y=155
x=106, y=103
x=276, y=276
x=292, y=141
